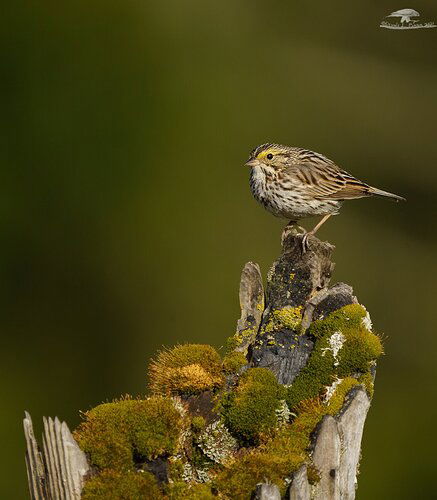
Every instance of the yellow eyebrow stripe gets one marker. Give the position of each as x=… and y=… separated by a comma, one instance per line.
x=268, y=151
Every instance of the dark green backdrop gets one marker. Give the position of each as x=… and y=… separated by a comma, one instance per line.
x=125, y=210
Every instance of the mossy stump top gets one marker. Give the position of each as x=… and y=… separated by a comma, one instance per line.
x=278, y=413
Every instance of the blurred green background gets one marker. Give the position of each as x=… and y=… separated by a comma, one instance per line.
x=126, y=215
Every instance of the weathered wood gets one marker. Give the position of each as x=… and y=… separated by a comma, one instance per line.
x=326, y=458
x=351, y=425
x=267, y=491
x=34, y=462
x=336, y=453
x=59, y=471
x=251, y=304
x=300, y=488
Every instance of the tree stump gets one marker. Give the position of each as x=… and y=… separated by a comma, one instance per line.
x=275, y=331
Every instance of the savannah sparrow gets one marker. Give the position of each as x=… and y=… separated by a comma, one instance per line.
x=294, y=183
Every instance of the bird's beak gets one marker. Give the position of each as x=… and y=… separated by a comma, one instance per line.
x=253, y=162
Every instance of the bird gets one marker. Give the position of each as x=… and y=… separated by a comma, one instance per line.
x=295, y=183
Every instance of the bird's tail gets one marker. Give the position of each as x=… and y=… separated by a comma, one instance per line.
x=385, y=194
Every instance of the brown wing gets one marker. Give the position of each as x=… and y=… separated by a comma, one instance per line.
x=323, y=179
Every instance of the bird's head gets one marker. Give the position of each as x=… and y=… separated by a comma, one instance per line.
x=270, y=156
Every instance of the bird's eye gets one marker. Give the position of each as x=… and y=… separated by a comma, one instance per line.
x=270, y=156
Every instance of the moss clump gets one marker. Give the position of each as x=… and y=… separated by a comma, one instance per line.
x=360, y=349
x=113, y=433
x=313, y=474
x=336, y=401
x=275, y=460
x=190, y=491
x=317, y=373
x=129, y=485
x=250, y=410
x=281, y=456
x=367, y=381
x=186, y=369
x=343, y=347
x=198, y=424
x=350, y=317
x=233, y=362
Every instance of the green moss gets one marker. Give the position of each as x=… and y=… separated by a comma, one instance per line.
x=313, y=474
x=281, y=456
x=186, y=369
x=336, y=401
x=356, y=350
x=250, y=410
x=175, y=468
x=233, y=362
x=367, y=381
x=274, y=461
x=198, y=424
x=317, y=373
x=129, y=485
x=350, y=317
x=113, y=433
x=360, y=349
x=190, y=491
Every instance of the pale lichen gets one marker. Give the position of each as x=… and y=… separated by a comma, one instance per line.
x=283, y=413
x=330, y=390
x=336, y=341
x=217, y=443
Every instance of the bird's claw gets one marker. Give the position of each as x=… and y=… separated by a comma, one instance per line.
x=305, y=243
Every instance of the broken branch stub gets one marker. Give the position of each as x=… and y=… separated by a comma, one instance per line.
x=297, y=294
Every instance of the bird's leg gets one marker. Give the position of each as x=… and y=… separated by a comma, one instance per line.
x=313, y=232
x=320, y=224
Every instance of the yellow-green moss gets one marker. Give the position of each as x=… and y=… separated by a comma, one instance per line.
x=186, y=369
x=367, y=381
x=358, y=351
x=336, y=401
x=281, y=456
x=350, y=316
x=317, y=373
x=274, y=461
x=113, y=433
x=313, y=474
x=129, y=485
x=250, y=410
x=198, y=424
x=189, y=491
x=233, y=361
